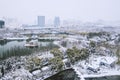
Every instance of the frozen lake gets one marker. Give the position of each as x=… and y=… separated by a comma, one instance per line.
x=17, y=48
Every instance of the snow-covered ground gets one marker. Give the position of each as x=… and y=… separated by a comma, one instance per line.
x=93, y=68
x=81, y=67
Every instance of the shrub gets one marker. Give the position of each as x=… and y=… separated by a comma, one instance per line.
x=75, y=54
x=57, y=63
x=56, y=52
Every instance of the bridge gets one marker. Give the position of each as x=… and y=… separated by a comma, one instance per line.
x=39, y=38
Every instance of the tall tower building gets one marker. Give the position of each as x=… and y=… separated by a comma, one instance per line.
x=56, y=22
x=41, y=21
x=2, y=23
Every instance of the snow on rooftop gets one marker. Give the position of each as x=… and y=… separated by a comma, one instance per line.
x=65, y=60
x=94, y=66
x=45, y=68
x=102, y=48
x=111, y=42
x=36, y=72
x=47, y=55
x=71, y=39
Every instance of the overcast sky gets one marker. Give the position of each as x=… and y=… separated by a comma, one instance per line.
x=84, y=10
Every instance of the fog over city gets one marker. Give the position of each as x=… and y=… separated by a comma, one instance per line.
x=59, y=40
x=27, y=11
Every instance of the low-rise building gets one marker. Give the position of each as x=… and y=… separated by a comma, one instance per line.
x=108, y=61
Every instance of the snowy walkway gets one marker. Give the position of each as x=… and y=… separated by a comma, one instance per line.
x=109, y=73
x=112, y=72
x=61, y=47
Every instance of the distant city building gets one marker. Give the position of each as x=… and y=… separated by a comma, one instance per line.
x=41, y=21
x=2, y=23
x=57, y=21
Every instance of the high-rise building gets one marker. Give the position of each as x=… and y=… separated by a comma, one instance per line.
x=41, y=21
x=2, y=23
x=57, y=21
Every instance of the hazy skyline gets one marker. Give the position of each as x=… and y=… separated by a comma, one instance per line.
x=84, y=10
